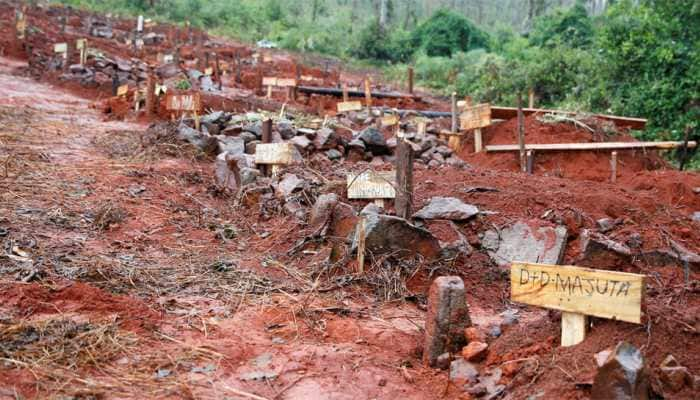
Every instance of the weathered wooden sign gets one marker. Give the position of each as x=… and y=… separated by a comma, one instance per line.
x=578, y=292
x=476, y=117
x=209, y=71
x=390, y=120
x=183, y=102
x=20, y=25
x=281, y=82
x=372, y=185
x=81, y=44
x=274, y=153
x=346, y=106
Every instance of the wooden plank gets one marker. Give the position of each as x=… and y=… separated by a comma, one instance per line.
x=573, y=328
x=183, y=102
x=591, y=146
x=269, y=81
x=390, y=120
x=512, y=112
x=81, y=44
x=372, y=185
x=60, y=48
x=346, y=106
x=604, y=294
x=475, y=117
x=274, y=153
x=283, y=82
x=122, y=90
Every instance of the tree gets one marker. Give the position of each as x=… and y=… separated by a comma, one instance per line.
x=446, y=32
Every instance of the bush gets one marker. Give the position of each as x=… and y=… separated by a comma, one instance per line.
x=447, y=32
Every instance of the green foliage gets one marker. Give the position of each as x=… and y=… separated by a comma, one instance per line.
x=375, y=43
x=447, y=32
x=572, y=27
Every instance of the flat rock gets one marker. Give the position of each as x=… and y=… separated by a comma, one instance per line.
x=325, y=139
x=447, y=208
x=334, y=154
x=474, y=351
x=322, y=210
x=289, y=184
x=526, y=242
x=462, y=371
x=231, y=145
x=302, y=143
x=389, y=234
x=374, y=141
x=622, y=376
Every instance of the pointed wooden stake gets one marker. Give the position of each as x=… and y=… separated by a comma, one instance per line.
x=573, y=328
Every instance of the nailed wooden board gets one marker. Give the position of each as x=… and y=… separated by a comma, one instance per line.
x=274, y=153
x=122, y=90
x=372, y=185
x=345, y=106
x=183, y=102
x=604, y=294
x=591, y=146
x=475, y=117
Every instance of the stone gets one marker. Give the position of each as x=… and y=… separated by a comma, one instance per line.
x=388, y=234
x=456, y=162
x=392, y=143
x=247, y=136
x=231, y=145
x=462, y=371
x=205, y=143
x=623, y=376
x=249, y=175
x=434, y=164
x=371, y=208
x=438, y=157
x=286, y=129
x=675, y=378
x=325, y=139
x=251, y=146
x=447, y=208
x=255, y=129
x=473, y=334
x=213, y=117
x=597, y=249
x=211, y=128
x=605, y=224
x=696, y=216
x=474, y=351
x=443, y=361
x=289, y=184
x=444, y=151
x=322, y=210
x=695, y=382
x=302, y=143
x=374, y=141
x=356, y=150
x=526, y=242
x=295, y=209
x=447, y=317
x=334, y=154
x=166, y=71
x=227, y=171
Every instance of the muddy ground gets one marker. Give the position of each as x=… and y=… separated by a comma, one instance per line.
x=125, y=272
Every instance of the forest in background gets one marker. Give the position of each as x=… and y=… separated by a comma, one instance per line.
x=637, y=58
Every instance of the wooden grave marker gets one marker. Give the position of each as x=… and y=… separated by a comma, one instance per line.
x=475, y=118
x=578, y=292
x=122, y=90
x=20, y=25
x=185, y=103
x=347, y=106
x=275, y=154
x=271, y=82
x=62, y=49
x=81, y=45
x=372, y=185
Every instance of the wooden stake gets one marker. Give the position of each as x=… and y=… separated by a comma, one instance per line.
x=379, y=203
x=613, y=167
x=478, y=141
x=530, y=161
x=573, y=328
x=150, y=94
x=217, y=69
x=454, y=113
x=266, y=138
x=410, y=80
x=269, y=91
x=196, y=120
x=361, y=245
x=404, y=180
x=238, y=68
x=368, y=94
x=684, y=156
x=346, y=97
x=521, y=134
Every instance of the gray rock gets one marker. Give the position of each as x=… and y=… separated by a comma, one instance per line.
x=622, y=376
x=444, y=151
x=295, y=209
x=371, y=208
x=322, y=210
x=247, y=136
x=289, y=185
x=447, y=208
x=302, y=143
x=438, y=157
x=526, y=243
x=605, y=224
x=249, y=175
x=286, y=129
x=462, y=371
x=434, y=164
x=231, y=145
x=227, y=171
x=250, y=146
x=456, y=162
x=210, y=128
x=255, y=129
x=389, y=234
x=392, y=143
x=597, y=248
x=374, y=141
x=325, y=139
x=334, y=154
x=443, y=361
x=446, y=319
x=206, y=143
x=696, y=216
x=215, y=117
x=166, y=71
x=357, y=144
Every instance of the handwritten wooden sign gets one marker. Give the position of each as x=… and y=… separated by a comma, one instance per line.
x=274, y=153
x=346, y=106
x=390, y=120
x=122, y=90
x=183, y=102
x=269, y=81
x=372, y=185
x=604, y=294
x=281, y=82
x=81, y=44
x=476, y=117
x=209, y=71
x=60, y=48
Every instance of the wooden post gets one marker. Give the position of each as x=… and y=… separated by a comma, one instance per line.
x=404, y=180
x=259, y=81
x=530, y=161
x=684, y=156
x=368, y=95
x=266, y=138
x=346, y=97
x=478, y=141
x=217, y=69
x=150, y=94
x=613, y=167
x=410, y=80
x=454, y=113
x=573, y=328
x=238, y=68
x=361, y=245
x=115, y=82
x=531, y=98
x=521, y=134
